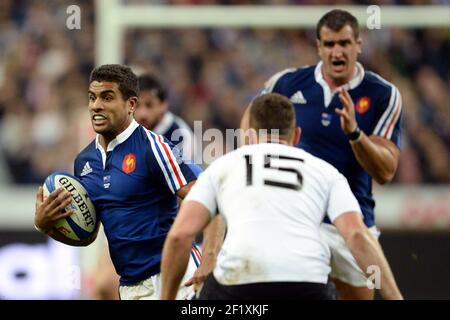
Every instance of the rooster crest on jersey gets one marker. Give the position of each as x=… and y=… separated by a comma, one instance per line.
x=129, y=163
x=362, y=105
x=82, y=223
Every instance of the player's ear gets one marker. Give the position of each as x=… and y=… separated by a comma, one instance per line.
x=165, y=105
x=318, y=46
x=296, y=135
x=245, y=126
x=245, y=121
x=132, y=104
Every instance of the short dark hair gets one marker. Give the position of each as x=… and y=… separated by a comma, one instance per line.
x=150, y=82
x=273, y=111
x=122, y=75
x=337, y=19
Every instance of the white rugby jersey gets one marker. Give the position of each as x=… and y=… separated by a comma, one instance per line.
x=273, y=198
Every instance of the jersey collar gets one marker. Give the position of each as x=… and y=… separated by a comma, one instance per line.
x=165, y=123
x=120, y=138
x=328, y=94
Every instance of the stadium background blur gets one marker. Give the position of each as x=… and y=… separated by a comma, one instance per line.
x=211, y=75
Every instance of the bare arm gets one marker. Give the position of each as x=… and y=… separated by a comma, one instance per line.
x=191, y=219
x=185, y=190
x=377, y=155
x=107, y=279
x=367, y=252
x=212, y=241
x=213, y=236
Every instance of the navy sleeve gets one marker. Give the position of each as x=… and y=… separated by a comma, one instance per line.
x=168, y=158
x=271, y=84
x=389, y=109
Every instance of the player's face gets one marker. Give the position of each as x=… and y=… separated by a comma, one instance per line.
x=150, y=109
x=110, y=113
x=339, y=52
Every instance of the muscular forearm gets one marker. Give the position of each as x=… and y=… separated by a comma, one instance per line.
x=367, y=253
x=173, y=266
x=213, y=238
x=212, y=242
x=376, y=157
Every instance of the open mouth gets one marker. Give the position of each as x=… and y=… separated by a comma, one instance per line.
x=338, y=65
x=98, y=119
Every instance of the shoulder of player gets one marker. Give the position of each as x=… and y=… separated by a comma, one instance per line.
x=378, y=83
x=180, y=124
x=152, y=142
x=228, y=159
x=227, y=162
x=283, y=79
x=157, y=148
x=320, y=165
x=146, y=134
x=175, y=124
x=86, y=152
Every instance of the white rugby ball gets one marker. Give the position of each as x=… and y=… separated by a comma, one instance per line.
x=83, y=222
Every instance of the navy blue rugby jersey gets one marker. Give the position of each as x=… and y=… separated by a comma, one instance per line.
x=133, y=186
x=378, y=109
x=180, y=134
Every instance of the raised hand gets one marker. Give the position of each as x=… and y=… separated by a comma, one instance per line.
x=347, y=113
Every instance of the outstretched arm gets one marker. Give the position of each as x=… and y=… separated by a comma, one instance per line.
x=213, y=237
x=212, y=242
x=191, y=219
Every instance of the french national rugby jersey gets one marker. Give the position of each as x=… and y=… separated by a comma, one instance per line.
x=133, y=186
x=180, y=134
x=378, y=112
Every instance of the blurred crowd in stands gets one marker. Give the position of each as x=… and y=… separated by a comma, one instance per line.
x=211, y=75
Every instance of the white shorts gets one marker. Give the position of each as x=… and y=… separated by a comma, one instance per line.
x=150, y=289
x=343, y=265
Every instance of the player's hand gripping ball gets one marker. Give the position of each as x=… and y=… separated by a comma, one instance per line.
x=82, y=223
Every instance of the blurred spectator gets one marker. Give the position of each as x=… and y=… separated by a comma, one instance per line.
x=213, y=73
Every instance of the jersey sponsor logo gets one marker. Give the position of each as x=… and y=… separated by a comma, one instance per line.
x=298, y=98
x=86, y=169
x=362, y=105
x=129, y=163
x=326, y=119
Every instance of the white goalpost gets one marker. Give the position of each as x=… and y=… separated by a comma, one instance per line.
x=113, y=18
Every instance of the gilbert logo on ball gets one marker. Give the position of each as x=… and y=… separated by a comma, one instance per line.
x=82, y=223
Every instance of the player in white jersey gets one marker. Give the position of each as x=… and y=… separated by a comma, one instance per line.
x=273, y=198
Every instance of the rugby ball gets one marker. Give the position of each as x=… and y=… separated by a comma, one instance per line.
x=83, y=222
